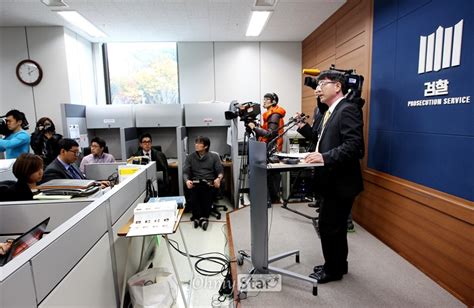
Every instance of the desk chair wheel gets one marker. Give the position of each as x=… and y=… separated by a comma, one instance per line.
x=242, y=295
x=240, y=260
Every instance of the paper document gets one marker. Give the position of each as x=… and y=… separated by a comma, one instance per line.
x=154, y=218
x=6, y=164
x=293, y=155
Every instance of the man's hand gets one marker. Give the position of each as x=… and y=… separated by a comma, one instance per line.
x=189, y=184
x=217, y=182
x=314, y=157
x=4, y=247
x=251, y=125
x=104, y=184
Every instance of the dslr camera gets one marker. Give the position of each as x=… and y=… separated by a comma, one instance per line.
x=248, y=112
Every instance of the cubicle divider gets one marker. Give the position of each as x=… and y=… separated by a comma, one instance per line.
x=116, y=125
x=80, y=261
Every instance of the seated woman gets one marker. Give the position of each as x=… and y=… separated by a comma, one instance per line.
x=28, y=169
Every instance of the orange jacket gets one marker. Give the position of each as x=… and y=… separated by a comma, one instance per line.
x=266, y=115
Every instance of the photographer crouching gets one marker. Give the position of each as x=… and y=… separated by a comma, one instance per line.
x=44, y=140
x=272, y=126
x=16, y=140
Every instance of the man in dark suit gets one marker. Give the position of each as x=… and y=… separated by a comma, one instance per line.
x=62, y=167
x=340, y=145
x=159, y=157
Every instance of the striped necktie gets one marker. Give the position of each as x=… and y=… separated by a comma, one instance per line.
x=74, y=173
x=325, y=120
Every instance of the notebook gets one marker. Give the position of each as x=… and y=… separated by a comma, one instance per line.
x=25, y=241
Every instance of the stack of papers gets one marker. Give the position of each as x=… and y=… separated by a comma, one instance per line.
x=154, y=218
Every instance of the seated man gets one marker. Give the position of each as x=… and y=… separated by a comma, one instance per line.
x=62, y=167
x=147, y=150
x=97, y=154
x=203, y=171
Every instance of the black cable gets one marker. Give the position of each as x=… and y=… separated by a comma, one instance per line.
x=220, y=259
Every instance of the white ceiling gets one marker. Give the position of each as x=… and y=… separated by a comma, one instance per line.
x=177, y=20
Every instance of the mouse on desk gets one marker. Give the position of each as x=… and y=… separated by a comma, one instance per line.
x=273, y=159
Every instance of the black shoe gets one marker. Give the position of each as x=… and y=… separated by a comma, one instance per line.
x=319, y=268
x=205, y=224
x=323, y=277
x=314, y=205
x=196, y=223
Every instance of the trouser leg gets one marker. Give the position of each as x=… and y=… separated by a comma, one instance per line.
x=333, y=230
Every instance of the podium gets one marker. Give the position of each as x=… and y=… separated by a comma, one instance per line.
x=259, y=218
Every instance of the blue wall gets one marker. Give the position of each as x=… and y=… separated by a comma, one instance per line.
x=432, y=145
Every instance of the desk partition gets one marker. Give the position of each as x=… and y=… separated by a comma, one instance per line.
x=78, y=262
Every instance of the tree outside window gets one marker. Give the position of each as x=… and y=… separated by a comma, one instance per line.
x=143, y=73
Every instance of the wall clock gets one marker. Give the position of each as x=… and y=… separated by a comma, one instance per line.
x=29, y=72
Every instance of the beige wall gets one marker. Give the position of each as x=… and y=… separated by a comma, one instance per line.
x=432, y=230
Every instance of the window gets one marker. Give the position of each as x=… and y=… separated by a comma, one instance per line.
x=143, y=73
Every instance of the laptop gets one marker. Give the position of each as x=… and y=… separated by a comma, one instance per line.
x=25, y=241
x=101, y=171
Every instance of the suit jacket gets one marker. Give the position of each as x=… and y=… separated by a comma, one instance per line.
x=341, y=145
x=161, y=163
x=56, y=170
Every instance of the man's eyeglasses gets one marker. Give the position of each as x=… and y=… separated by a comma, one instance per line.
x=146, y=141
x=323, y=83
x=77, y=153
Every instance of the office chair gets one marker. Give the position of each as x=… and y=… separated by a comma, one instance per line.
x=215, y=208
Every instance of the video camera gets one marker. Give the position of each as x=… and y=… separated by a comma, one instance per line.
x=352, y=82
x=247, y=112
x=4, y=127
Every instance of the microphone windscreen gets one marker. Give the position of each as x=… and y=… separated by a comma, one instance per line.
x=311, y=71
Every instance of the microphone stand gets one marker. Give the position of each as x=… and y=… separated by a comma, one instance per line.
x=271, y=143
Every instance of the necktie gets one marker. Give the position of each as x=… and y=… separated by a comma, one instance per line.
x=73, y=172
x=326, y=117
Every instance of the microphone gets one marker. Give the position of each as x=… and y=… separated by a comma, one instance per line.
x=301, y=118
x=311, y=71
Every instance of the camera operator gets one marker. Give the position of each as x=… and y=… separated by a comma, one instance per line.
x=272, y=126
x=340, y=145
x=18, y=141
x=44, y=140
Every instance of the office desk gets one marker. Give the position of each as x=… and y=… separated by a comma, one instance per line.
x=123, y=232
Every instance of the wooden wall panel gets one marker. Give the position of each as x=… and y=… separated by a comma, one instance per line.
x=432, y=230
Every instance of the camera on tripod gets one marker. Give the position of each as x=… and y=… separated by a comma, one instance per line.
x=352, y=82
x=248, y=112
